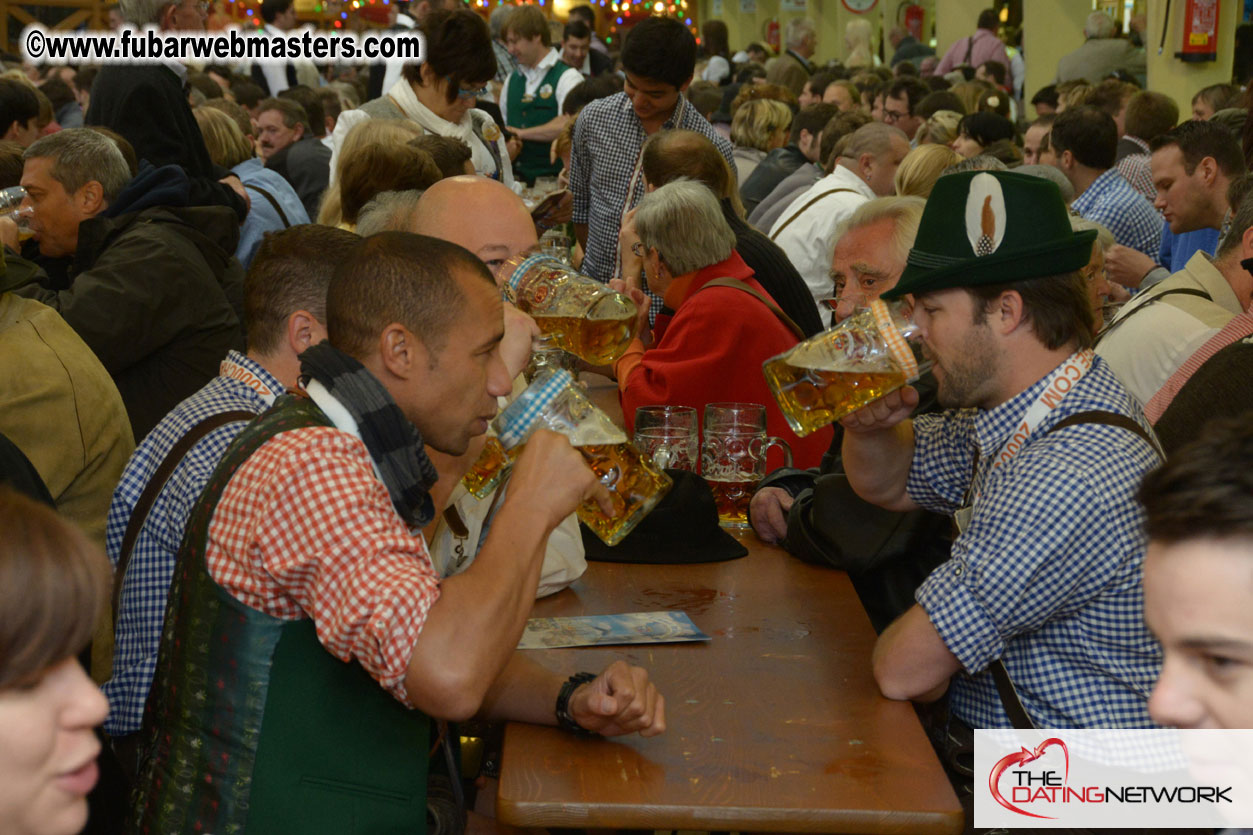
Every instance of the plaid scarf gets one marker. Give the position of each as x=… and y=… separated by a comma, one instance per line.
x=392, y=440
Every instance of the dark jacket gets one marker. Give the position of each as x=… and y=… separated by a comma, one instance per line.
x=155, y=292
x=911, y=50
x=145, y=103
x=769, y=173
x=887, y=554
x=775, y=272
x=307, y=166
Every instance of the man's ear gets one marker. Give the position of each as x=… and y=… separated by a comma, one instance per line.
x=864, y=163
x=1208, y=168
x=300, y=131
x=90, y=199
x=10, y=135
x=403, y=355
x=683, y=87
x=1008, y=312
x=165, y=18
x=1246, y=244
x=304, y=331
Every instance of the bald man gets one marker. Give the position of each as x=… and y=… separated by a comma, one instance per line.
x=502, y=228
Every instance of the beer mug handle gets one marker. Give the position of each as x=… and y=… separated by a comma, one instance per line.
x=787, y=450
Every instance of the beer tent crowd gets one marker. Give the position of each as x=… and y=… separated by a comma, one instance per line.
x=253, y=333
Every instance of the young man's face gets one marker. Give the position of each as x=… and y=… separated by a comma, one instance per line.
x=1198, y=601
x=896, y=113
x=453, y=400
x=1182, y=198
x=574, y=51
x=526, y=51
x=652, y=100
x=963, y=350
x=808, y=95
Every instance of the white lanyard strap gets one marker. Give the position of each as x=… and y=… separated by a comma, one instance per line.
x=1058, y=384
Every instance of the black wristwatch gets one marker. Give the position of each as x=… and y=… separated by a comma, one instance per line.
x=565, y=720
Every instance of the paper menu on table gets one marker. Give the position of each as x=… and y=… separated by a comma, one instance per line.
x=606, y=630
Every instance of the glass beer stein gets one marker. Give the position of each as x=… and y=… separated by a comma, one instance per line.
x=733, y=458
x=871, y=353
x=489, y=468
x=582, y=315
x=668, y=435
x=635, y=483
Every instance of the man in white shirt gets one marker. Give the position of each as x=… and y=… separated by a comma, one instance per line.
x=806, y=229
x=532, y=99
x=280, y=18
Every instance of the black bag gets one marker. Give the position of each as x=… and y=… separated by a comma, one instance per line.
x=887, y=554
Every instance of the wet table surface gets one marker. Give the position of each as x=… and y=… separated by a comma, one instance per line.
x=775, y=725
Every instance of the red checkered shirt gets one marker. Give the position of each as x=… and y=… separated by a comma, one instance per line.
x=306, y=529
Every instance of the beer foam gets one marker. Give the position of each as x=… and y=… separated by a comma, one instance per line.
x=589, y=434
x=819, y=356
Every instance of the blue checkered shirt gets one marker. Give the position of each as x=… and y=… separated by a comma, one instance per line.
x=1130, y=218
x=151, y=567
x=1046, y=575
x=608, y=138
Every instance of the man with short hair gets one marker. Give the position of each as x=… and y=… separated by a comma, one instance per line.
x=806, y=229
x=1085, y=141
x=793, y=68
x=974, y=50
x=288, y=145
x=284, y=313
x=1156, y=332
x=506, y=229
x=1193, y=165
x=659, y=58
x=1148, y=115
x=145, y=103
x=717, y=331
x=1034, y=139
x=843, y=94
x=577, y=52
x=1101, y=54
x=301, y=562
x=534, y=94
x=279, y=18
x=900, y=103
x=154, y=288
x=1037, y=459
x=19, y=112
x=905, y=47
x=807, y=511
x=814, y=89
x=1197, y=598
x=587, y=15
x=803, y=148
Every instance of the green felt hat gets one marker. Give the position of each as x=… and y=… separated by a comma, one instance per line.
x=991, y=227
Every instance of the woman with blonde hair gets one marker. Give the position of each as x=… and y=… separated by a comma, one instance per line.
x=940, y=129
x=857, y=48
x=917, y=173
x=53, y=582
x=274, y=204
x=369, y=132
x=758, y=127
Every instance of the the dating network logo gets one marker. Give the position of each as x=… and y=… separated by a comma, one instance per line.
x=1029, y=786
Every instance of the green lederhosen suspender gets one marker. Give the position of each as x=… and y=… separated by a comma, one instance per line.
x=533, y=161
x=251, y=724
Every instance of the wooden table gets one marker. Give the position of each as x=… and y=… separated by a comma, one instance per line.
x=776, y=725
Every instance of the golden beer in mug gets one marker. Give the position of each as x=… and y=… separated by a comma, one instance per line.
x=842, y=369
x=733, y=457
x=596, y=340
x=635, y=485
x=486, y=471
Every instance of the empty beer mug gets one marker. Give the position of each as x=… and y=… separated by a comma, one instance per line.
x=668, y=435
x=733, y=457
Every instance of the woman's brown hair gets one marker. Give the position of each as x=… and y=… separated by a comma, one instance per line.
x=53, y=582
